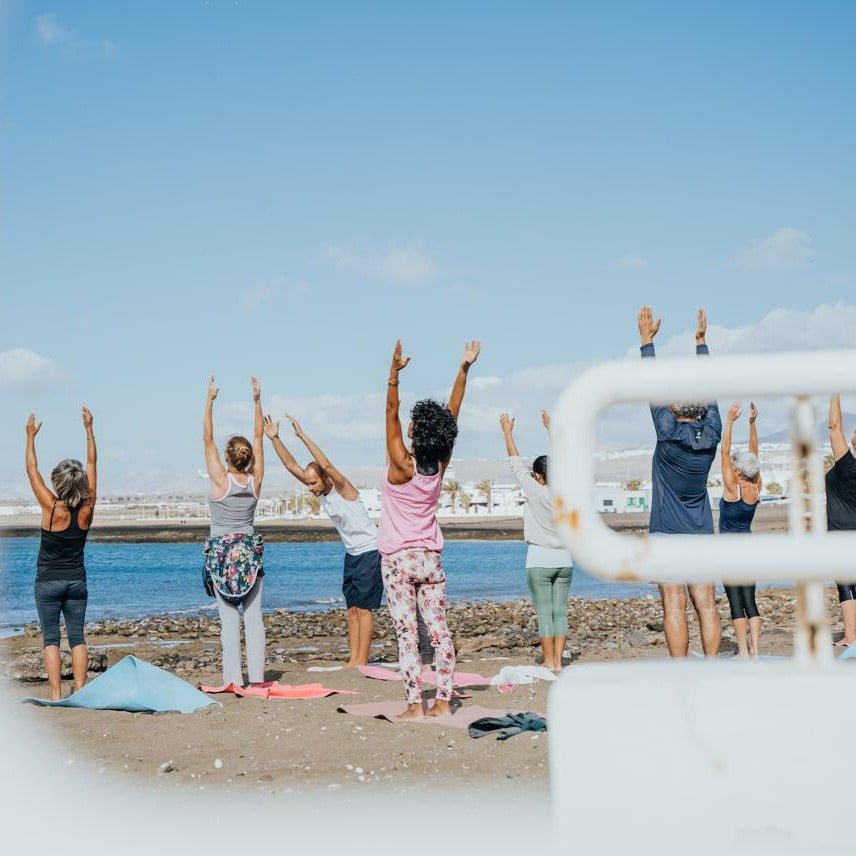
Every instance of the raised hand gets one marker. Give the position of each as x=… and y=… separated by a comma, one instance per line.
x=648, y=327
x=212, y=390
x=397, y=362
x=87, y=417
x=545, y=418
x=753, y=412
x=298, y=431
x=257, y=392
x=32, y=427
x=271, y=428
x=734, y=412
x=701, y=329
x=471, y=353
x=506, y=423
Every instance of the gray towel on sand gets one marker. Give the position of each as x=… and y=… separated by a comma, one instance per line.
x=507, y=726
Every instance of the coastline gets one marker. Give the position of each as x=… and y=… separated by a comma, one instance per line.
x=769, y=518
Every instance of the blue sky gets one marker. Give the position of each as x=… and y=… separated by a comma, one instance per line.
x=283, y=189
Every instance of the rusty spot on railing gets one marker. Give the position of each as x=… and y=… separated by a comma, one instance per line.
x=570, y=517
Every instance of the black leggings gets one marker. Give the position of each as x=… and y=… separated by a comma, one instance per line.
x=846, y=591
x=61, y=596
x=741, y=599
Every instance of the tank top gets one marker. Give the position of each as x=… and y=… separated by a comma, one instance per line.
x=61, y=553
x=408, y=514
x=736, y=515
x=234, y=512
x=351, y=519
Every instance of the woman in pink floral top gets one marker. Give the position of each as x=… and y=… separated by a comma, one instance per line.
x=409, y=537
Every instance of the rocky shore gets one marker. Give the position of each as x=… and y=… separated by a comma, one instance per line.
x=600, y=629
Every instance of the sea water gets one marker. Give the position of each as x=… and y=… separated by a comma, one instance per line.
x=133, y=580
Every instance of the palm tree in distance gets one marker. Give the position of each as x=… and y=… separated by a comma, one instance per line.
x=453, y=488
x=486, y=487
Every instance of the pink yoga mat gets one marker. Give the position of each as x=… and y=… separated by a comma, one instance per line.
x=388, y=710
x=461, y=679
x=274, y=689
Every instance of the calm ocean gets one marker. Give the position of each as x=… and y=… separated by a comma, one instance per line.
x=131, y=580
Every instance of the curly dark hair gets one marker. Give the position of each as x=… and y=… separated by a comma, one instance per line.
x=434, y=433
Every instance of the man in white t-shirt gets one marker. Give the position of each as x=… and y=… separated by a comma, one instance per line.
x=362, y=584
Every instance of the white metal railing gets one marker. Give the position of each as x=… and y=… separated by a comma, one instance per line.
x=807, y=554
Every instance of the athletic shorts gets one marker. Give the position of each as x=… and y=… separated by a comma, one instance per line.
x=363, y=584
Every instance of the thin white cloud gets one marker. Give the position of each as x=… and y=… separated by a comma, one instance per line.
x=631, y=262
x=268, y=290
x=50, y=32
x=54, y=35
x=21, y=368
x=403, y=264
x=787, y=249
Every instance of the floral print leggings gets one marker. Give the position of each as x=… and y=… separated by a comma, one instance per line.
x=413, y=577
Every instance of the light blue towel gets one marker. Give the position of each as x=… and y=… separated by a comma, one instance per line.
x=849, y=652
x=137, y=686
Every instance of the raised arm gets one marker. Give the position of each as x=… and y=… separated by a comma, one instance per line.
x=271, y=428
x=836, y=429
x=648, y=328
x=729, y=477
x=507, y=426
x=545, y=420
x=342, y=484
x=400, y=461
x=216, y=470
x=258, y=435
x=471, y=354
x=753, y=429
x=44, y=495
x=91, y=456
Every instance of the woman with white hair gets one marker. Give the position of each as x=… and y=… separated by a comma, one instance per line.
x=60, y=587
x=741, y=482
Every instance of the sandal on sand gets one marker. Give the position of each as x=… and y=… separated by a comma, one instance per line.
x=841, y=644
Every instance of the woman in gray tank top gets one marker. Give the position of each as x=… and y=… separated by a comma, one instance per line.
x=234, y=550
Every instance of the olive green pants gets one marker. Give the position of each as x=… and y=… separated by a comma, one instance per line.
x=549, y=589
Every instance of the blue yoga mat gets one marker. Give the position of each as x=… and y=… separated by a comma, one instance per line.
x=137, y=686
x=849, y=652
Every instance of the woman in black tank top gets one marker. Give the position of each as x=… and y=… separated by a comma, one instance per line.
x=741, y=493
x=60, y=587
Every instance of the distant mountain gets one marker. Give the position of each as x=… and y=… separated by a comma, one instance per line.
x=821, y=435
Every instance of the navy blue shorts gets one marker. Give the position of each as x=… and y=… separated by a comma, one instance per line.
x=363, y=584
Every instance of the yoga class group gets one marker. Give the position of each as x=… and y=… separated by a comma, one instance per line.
x=401, y=555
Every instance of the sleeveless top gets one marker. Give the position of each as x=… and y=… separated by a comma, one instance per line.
x=736, y=515
x=408, y=514
x=61, y=553
x=351, y=519
x=234, y=512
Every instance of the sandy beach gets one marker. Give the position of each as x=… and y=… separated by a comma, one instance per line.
x=286, y=745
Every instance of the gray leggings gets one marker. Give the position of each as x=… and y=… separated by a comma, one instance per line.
x=61, y=596
x=230, y=636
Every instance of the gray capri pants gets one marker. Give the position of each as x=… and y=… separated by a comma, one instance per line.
x=66, y=597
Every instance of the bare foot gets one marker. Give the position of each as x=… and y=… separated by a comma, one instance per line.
x=414, y=711
x=352, y=665
x=843, y=643
x=439, y=708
